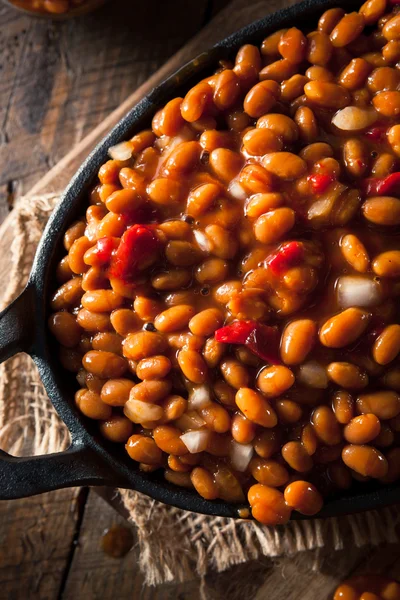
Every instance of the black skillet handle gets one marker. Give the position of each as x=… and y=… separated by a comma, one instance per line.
x=21, y=477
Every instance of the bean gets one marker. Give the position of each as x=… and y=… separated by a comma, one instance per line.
x=288, y=411
x=293, y=45
x=355, y=157
x=344, y=328
x=180, y=479
x=154, y=367
x=391, y=29
x=150, y=390
x=355, y=74
x=355, y=253
x=347, y=375
x=223, y=243
x=274, y=381
x=362, y=429
x=285, y=165
x=385, y=404
x=261, y=98
x=196, y=101
x=329, y=19
x=101, y=300
x=202, y=198
x=255, y=407
x=143, y=344
x=104, y=364
x=144, y=449
x=258, y=142
x=183, y=159
x=255, y=179
x=326, y=94
x=387, y=103
x=372, y=10
x=65, y=329
x=269, y=46
x=303, y=497
x=111, y=342
x=365, y=460
x=340, y=475
x=292, y=88
x=242, y=429
x=203, y=483
x=216, y=417
x=297, y=457
x=391, y=51
x=281, y=125
x=146, y=308
x=387, y=346
x=306, y=123
x=309, y=439
x=278, y=70
x=298, y=339
x=225, y=163
x=347, y=30
x=124, y=321
x=382, y=210
x=168, y=440
x=174, y=407
x=387, y=264
x=268, y=505
x=124, y=201
x=272, y=226
x=117, y=429
x=174, y=318
x=326, y=426
x=68, y=295
x=319, y=50
x=90, y=404
x=115, y=392
x=267, y=443
x=164, y=191
x=213, y=351
x=268, y=472
x=206, y=322
x=192, y=365
x=171, y=280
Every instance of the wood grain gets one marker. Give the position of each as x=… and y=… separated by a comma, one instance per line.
x=36, y=536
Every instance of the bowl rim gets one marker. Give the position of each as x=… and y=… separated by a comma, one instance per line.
x=41, y=280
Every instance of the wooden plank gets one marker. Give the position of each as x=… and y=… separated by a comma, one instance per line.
x=59, y=80
x=35, y=541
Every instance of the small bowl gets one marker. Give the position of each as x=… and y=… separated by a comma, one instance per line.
x=85, y=8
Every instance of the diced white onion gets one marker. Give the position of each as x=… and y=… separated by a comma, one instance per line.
x=196, y=441
x=313, y=375
x=353, y=290
x=199, y=397
x=237, y=191
x=323, y=206
x=353, y=118
x=190, y=420
x=140, y=412
x=202, y=240
x=122, y=151
x=241, y=455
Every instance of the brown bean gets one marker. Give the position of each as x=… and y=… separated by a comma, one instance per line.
x=124, y=321
x=203, y=483
x=281, y=125
x=297, y=457
x=362, y=429
x=303, y=497
x=144, y=449
x=391, y=29
x=347, y=30
x=326, y=426
x=293, y=45
x=382, y=210
x=343, y=406
x=329, y=19
x=154, y=367
x=117, y=429
x=90, y=321
x=272, y=226
x=387, y=264
x=66, y=330
x=174, y=318
x=104, y=364
x=143, y=344
x=326, y=94
x=274, y=381
x=355, y=74
x=365, y=460
x=193, y=366
x=355, y=253
x=261, y=98
x=298, y=339
x=115, y=392
x=387, y=103
x=344, y=328
x=347, y=375
x=355, y=157
x=68, y=295
x=285, y=165
x=258, y=142
x=168, y=440
x=243, y=430
x=319, y=50
x=268, y=472
x=385, y=404
x=150, y=390
x=90, y=404
x=387, y=346
x=372, y=10
x=255, y=407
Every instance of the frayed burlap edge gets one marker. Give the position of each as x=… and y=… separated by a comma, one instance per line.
x=175, y=545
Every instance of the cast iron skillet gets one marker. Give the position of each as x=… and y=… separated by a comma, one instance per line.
x=91, y=460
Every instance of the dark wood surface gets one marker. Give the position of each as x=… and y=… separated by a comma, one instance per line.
x=58, y=83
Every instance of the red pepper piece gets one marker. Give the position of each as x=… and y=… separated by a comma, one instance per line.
x=262, y=340
x=320, y=182
x=382, y=186
x=377, y=134
x=138, y=244
x=104, y=250
x=289, y=255
x=235, y=333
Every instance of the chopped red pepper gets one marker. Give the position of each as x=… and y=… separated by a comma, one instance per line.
x=382, y=186
x=289, y=255
x=262, y=340
x=138, y=245
x=320, y=182
x=377, y=133
x=104, y=249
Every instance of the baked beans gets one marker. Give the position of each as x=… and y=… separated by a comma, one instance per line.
x=228, y=302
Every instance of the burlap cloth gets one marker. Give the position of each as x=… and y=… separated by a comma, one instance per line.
x=175, y=545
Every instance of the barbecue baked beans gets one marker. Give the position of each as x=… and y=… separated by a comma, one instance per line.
x=54, y=7
x=368, y=587
x=229, y=302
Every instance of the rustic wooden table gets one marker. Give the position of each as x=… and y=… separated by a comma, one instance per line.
x=59, y=81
